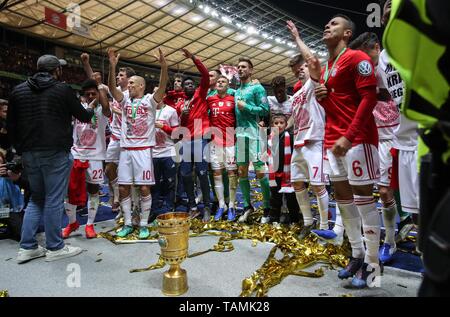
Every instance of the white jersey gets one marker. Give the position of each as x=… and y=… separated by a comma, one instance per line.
x=406, y=133
x=138, y=122
x=309, y=116
x=116, y=123
x=277, y=108
x=165, y=147
x=387, y=119
x=89, y=141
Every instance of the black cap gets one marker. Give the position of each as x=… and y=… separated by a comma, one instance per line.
x=49, y=63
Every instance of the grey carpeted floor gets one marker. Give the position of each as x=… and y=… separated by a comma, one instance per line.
x=103, y=270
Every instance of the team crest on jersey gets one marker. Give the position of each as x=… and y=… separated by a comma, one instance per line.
x=365, y=68
x=334, y=71
x=221, y=104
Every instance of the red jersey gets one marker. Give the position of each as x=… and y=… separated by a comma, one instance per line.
x=352, y=75
x=297, y=86
x=196, y=119
x=173, y=97
x=222, y=115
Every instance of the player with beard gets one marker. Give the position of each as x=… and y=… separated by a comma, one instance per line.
x=252, y=108
x=347, y=91
x=308, y=156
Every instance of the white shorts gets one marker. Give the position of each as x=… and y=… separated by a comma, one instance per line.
x=307, y=164
x=360, y=166
x=113, y=152
x=94, y=173
x=408, y=181
x=384, y=151
x=136, y=167
x=222, y=157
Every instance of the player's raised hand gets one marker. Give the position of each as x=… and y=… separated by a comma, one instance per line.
x=113, y=56
x=161, y=58
x=293, y=30
x=85, y=58
x=187, y=53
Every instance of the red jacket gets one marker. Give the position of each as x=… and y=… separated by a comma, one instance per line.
x=197, y=120
x=173, y=97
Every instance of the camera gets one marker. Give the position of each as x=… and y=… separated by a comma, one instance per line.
x=14, y=166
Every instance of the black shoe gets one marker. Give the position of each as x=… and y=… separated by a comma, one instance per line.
x=285, y=219
x=366, y=276
x=351, y=269
x=214, y=206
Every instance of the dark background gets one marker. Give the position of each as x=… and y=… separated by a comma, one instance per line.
x=319, y=12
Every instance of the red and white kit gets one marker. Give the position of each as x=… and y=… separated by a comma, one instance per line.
x=90, y=144
x=351, y=76
x=136, y=141
x=405, y=139
x=307, y=162
x=165, y=147
x=387, y=119
x=113, y=152
x=222, y=116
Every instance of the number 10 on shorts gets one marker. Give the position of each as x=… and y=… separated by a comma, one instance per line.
x=147, y=175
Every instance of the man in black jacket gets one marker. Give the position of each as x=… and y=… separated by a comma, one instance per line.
x=39, y=124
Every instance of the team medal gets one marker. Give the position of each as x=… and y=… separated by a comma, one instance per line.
x=134, y=109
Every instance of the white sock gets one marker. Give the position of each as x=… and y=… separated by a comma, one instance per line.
x=305, y=206
x=146, y=206
x=218, y=187
x=71, y=212
x=338, y=225
x=371, y=225
x=233, y=184
x=352, y=225
x=323, y=201
x=93, y=202
x=115, y=188
x=126, y=209
x=389, y=214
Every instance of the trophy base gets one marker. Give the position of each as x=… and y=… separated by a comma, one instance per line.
x=175, y=281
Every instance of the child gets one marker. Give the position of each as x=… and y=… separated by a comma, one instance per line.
x=280, y=148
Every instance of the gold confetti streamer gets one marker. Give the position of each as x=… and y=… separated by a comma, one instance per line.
x=297, y=255
x=158, y=265
x=4, y=293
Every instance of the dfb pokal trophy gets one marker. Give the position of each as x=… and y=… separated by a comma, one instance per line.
x=173, y=231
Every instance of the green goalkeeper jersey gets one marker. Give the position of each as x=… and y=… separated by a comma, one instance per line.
x=256, y=109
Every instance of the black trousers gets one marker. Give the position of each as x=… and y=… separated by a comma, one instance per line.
x=276, y=202
x=434, y=233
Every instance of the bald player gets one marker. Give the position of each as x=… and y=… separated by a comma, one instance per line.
x=136, y=141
